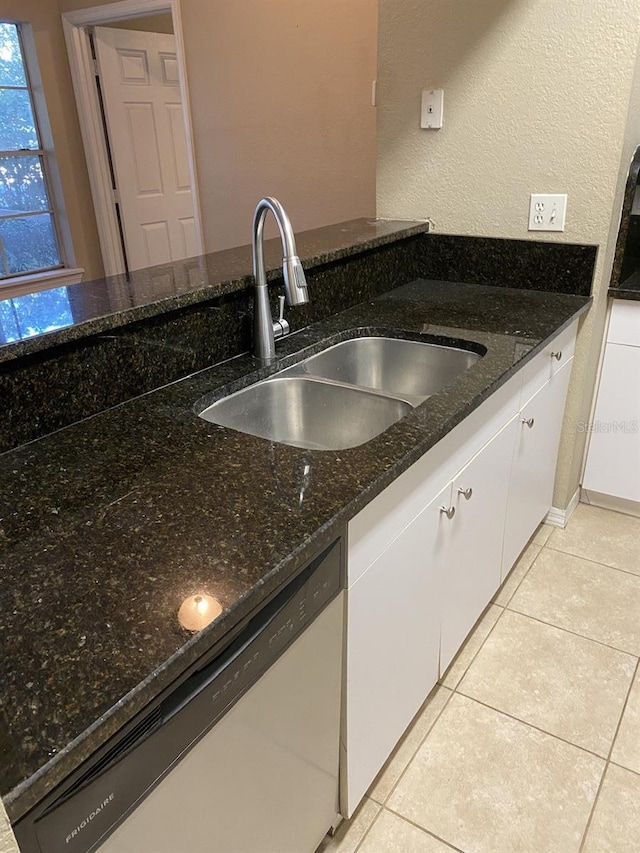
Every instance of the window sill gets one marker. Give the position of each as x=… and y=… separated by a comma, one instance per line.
x=20, y=285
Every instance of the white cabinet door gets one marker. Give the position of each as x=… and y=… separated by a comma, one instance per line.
x=534, y=464
x=473, y=562
x=613, y=462
x=392, y=647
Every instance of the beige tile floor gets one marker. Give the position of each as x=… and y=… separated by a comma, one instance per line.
x=531, y=742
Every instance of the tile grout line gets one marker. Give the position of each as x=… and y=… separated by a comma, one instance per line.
x=593, y=562
x=415, y=752
x=480, y=647
x=533, y=726
x=622, y=767
x=422, y=829
x=608, y=763
x=574, y=633
x=369, y=828
x=541, y=549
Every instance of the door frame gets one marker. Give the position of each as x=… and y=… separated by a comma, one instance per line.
x=76, y=35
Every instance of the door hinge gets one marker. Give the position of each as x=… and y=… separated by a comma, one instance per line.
x=96, y=69
x=116, y=196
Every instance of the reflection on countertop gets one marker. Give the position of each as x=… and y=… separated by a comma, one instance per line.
x=23, y=317
x=97, y=306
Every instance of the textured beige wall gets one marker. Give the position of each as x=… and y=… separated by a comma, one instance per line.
x=7, y=840
x=44, y=18
x=536, y=100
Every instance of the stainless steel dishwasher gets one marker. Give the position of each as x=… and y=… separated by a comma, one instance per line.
x=241, y=758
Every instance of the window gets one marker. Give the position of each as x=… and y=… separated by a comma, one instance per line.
x=29, y=241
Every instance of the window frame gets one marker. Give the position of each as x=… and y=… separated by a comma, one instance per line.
x=66, y=271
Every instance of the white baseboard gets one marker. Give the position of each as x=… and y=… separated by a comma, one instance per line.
x=610, y=502
x=559, y=517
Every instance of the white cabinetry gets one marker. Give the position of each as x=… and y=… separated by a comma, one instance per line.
x=418, y=577
x=534, y=463
x=613, y=460
x=474, y=554
x=393, y=649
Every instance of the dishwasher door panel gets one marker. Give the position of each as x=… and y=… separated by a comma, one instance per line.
x=265, y=778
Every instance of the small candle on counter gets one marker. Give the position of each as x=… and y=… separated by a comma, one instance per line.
x=197, y=611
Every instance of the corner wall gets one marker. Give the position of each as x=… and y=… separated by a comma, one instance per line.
x=536, y=100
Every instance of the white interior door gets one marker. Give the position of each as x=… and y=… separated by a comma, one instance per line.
x=145, y=124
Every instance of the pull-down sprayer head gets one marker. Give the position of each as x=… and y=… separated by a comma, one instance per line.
x=295, y=282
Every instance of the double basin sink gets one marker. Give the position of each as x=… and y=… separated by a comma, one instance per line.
x=343, y=396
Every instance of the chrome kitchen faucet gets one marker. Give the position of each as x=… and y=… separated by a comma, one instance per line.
x=265, y=329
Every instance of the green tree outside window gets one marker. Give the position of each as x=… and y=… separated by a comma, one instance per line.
x=28, y=237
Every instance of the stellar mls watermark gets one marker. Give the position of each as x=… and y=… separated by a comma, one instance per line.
x=624, y=427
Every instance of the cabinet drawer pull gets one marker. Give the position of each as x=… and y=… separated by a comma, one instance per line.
x=557, y=355
x=448, y=511
x=466, y=492
x=529, y=422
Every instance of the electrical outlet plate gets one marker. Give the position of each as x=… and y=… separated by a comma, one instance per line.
x=432, y=111
x=547, y=212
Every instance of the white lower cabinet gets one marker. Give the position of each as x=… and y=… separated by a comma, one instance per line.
x=534, y=463
x=613, y=459
x=393, y=647
x=474, y=551
x=426, y=556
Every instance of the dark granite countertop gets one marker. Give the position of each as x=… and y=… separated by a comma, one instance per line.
x=108, y=525
x=110, y=303
x=627, y=289
x=625, y=275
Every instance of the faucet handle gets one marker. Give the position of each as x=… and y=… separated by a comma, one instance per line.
x=280, y=326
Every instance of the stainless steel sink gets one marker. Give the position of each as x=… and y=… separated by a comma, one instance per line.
x=345, y=395
x=412, y=370
x=305, y=412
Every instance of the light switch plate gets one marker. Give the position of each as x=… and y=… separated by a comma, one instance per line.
x=432, y=110
x=547, y=211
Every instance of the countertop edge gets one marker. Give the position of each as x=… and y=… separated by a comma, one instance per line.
x=620, y=292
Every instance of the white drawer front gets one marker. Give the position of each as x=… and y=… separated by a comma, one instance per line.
x=548, y=362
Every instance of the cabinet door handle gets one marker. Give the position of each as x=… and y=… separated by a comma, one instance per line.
x=557, y=355
x=528, y=421
x=449, y=511
x=466, y=492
